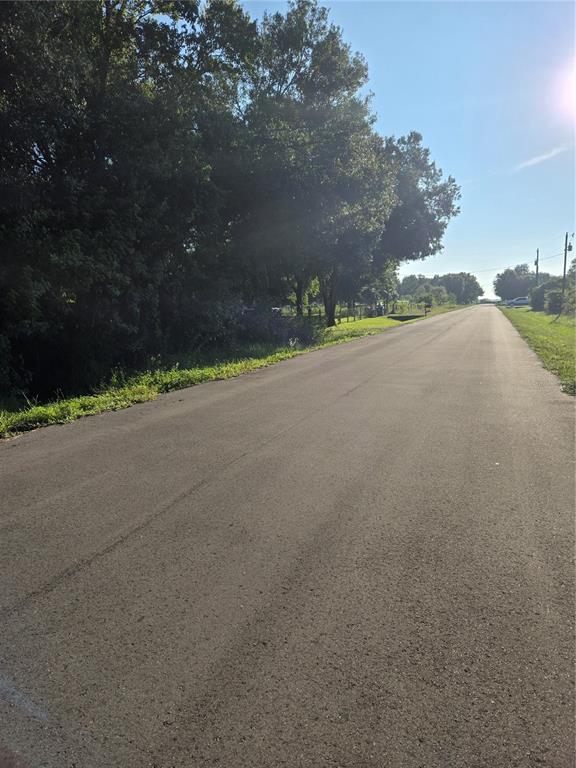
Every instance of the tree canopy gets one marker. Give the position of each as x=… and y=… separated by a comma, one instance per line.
x=463, y=287
x=166, y=163
x=517, y=281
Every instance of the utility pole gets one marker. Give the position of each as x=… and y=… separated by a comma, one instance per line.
x=567, y=247
x=536, y=263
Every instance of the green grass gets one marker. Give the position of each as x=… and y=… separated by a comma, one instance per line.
x=440, y=310
x=553, y=338
x=123, y=391
x=375, y=324
x=136, y=389
x=383, y=323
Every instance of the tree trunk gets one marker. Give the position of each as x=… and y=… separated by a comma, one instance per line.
x=330, y=308
x=328, y=291
x=299, y=291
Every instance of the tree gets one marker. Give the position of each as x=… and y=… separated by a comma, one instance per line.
x=320, y=188
x=539, y=294
x=383, y=287
x=426, y=203
x=106, y=175
x=410, y=284
x=569, y=305
x=462, y=285
x=360, y=200
x=516, y=281
x=432, y=294
x=166, y=162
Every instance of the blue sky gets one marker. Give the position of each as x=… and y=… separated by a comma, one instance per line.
x=488, y=86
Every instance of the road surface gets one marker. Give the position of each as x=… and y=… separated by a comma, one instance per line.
x=362, y=557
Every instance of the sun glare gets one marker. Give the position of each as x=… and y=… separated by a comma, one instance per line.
x=566, y=92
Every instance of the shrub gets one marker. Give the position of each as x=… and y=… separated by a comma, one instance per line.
x=569, y=306
x=554, y=302
x=6, y=375
x=263, y=324
x=538, y=296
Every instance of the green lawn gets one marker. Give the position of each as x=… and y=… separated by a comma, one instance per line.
x=382, y=323
x=124, y=391
x=553, y=338
x=359, y=327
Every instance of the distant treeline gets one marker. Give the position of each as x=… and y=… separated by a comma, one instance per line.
x=165, y=165
x=457, y=287
x=547, y=292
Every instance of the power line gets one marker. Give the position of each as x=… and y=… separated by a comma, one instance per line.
x=496, y=269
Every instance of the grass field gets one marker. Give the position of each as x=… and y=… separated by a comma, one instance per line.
x=382, y=323
x=552, y=338
x=122, y=391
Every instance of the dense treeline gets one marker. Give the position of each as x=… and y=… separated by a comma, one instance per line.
x=165, y=164
x=518, y=281
x=459, y=287
x=548, y=293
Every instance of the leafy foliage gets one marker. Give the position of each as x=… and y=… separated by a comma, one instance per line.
x=461, y=287
x=539, y=294
x=167, y=164
x=554, y=301
x=426, y=203
x=433, y=294
x=516, y=281
x=569, y=305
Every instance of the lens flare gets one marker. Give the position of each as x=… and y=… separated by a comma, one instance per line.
x=565, y=92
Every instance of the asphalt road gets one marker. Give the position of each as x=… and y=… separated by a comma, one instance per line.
x=362, y=557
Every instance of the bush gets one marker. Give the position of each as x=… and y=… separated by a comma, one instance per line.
x=538, y=296
x=554, y=302
x=569, y=307
x=6, y=374
x=263, y=324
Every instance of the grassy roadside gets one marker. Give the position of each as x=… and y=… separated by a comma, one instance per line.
x=552, y=338
x=123, y=392
x=382, y=323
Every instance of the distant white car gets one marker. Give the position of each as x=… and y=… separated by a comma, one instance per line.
x=521, y=301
